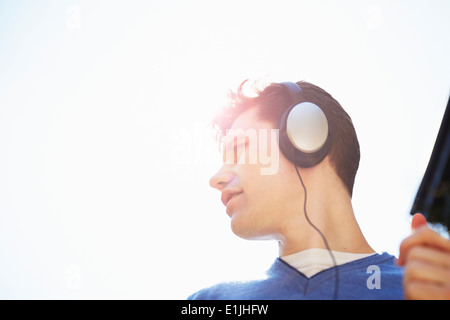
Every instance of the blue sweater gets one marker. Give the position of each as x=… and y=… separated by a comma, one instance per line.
x=374, y=277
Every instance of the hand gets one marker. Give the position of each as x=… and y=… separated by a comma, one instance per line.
x=426, y=258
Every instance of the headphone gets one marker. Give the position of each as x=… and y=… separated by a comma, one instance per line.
x=305, y=137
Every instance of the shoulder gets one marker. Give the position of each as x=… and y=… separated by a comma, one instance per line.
x=221, y=291
x=375, y=277
x=246, y=290
x=262, y=289
x=249, y=290
x=384, y=262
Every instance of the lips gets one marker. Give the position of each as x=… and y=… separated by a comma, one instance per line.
x=227, y=195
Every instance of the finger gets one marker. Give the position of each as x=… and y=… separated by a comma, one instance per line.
x=423, y=236
x=418, y=220
x=417, y=270
x=426, y=291
x=429, y=255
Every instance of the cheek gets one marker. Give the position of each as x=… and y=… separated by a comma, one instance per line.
x=265, y=198
x=265, y=204
x=264, y=192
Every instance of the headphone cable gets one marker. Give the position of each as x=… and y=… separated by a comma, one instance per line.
x=322, y=236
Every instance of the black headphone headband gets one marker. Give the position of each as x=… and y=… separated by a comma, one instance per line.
x=294, y=91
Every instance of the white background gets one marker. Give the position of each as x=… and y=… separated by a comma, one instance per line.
x=105, y=150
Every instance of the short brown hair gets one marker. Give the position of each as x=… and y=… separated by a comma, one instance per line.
x=272, y=102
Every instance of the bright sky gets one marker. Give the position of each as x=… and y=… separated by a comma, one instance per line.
x=104, y=140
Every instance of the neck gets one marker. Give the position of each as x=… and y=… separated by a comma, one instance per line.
x=330, y=210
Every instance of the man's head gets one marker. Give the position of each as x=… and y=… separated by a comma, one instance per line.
x=264, y=196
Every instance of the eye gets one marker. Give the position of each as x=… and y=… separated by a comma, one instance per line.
x=240, y=146
x=237, y=146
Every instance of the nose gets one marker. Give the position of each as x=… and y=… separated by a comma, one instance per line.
x=221, y=179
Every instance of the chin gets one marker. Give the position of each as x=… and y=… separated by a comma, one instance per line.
x=248, y=229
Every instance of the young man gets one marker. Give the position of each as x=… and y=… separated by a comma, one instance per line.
x=305, y=205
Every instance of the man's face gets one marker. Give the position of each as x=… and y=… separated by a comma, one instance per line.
x=259, y=186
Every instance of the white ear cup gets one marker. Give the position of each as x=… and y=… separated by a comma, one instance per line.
x=307, y=127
